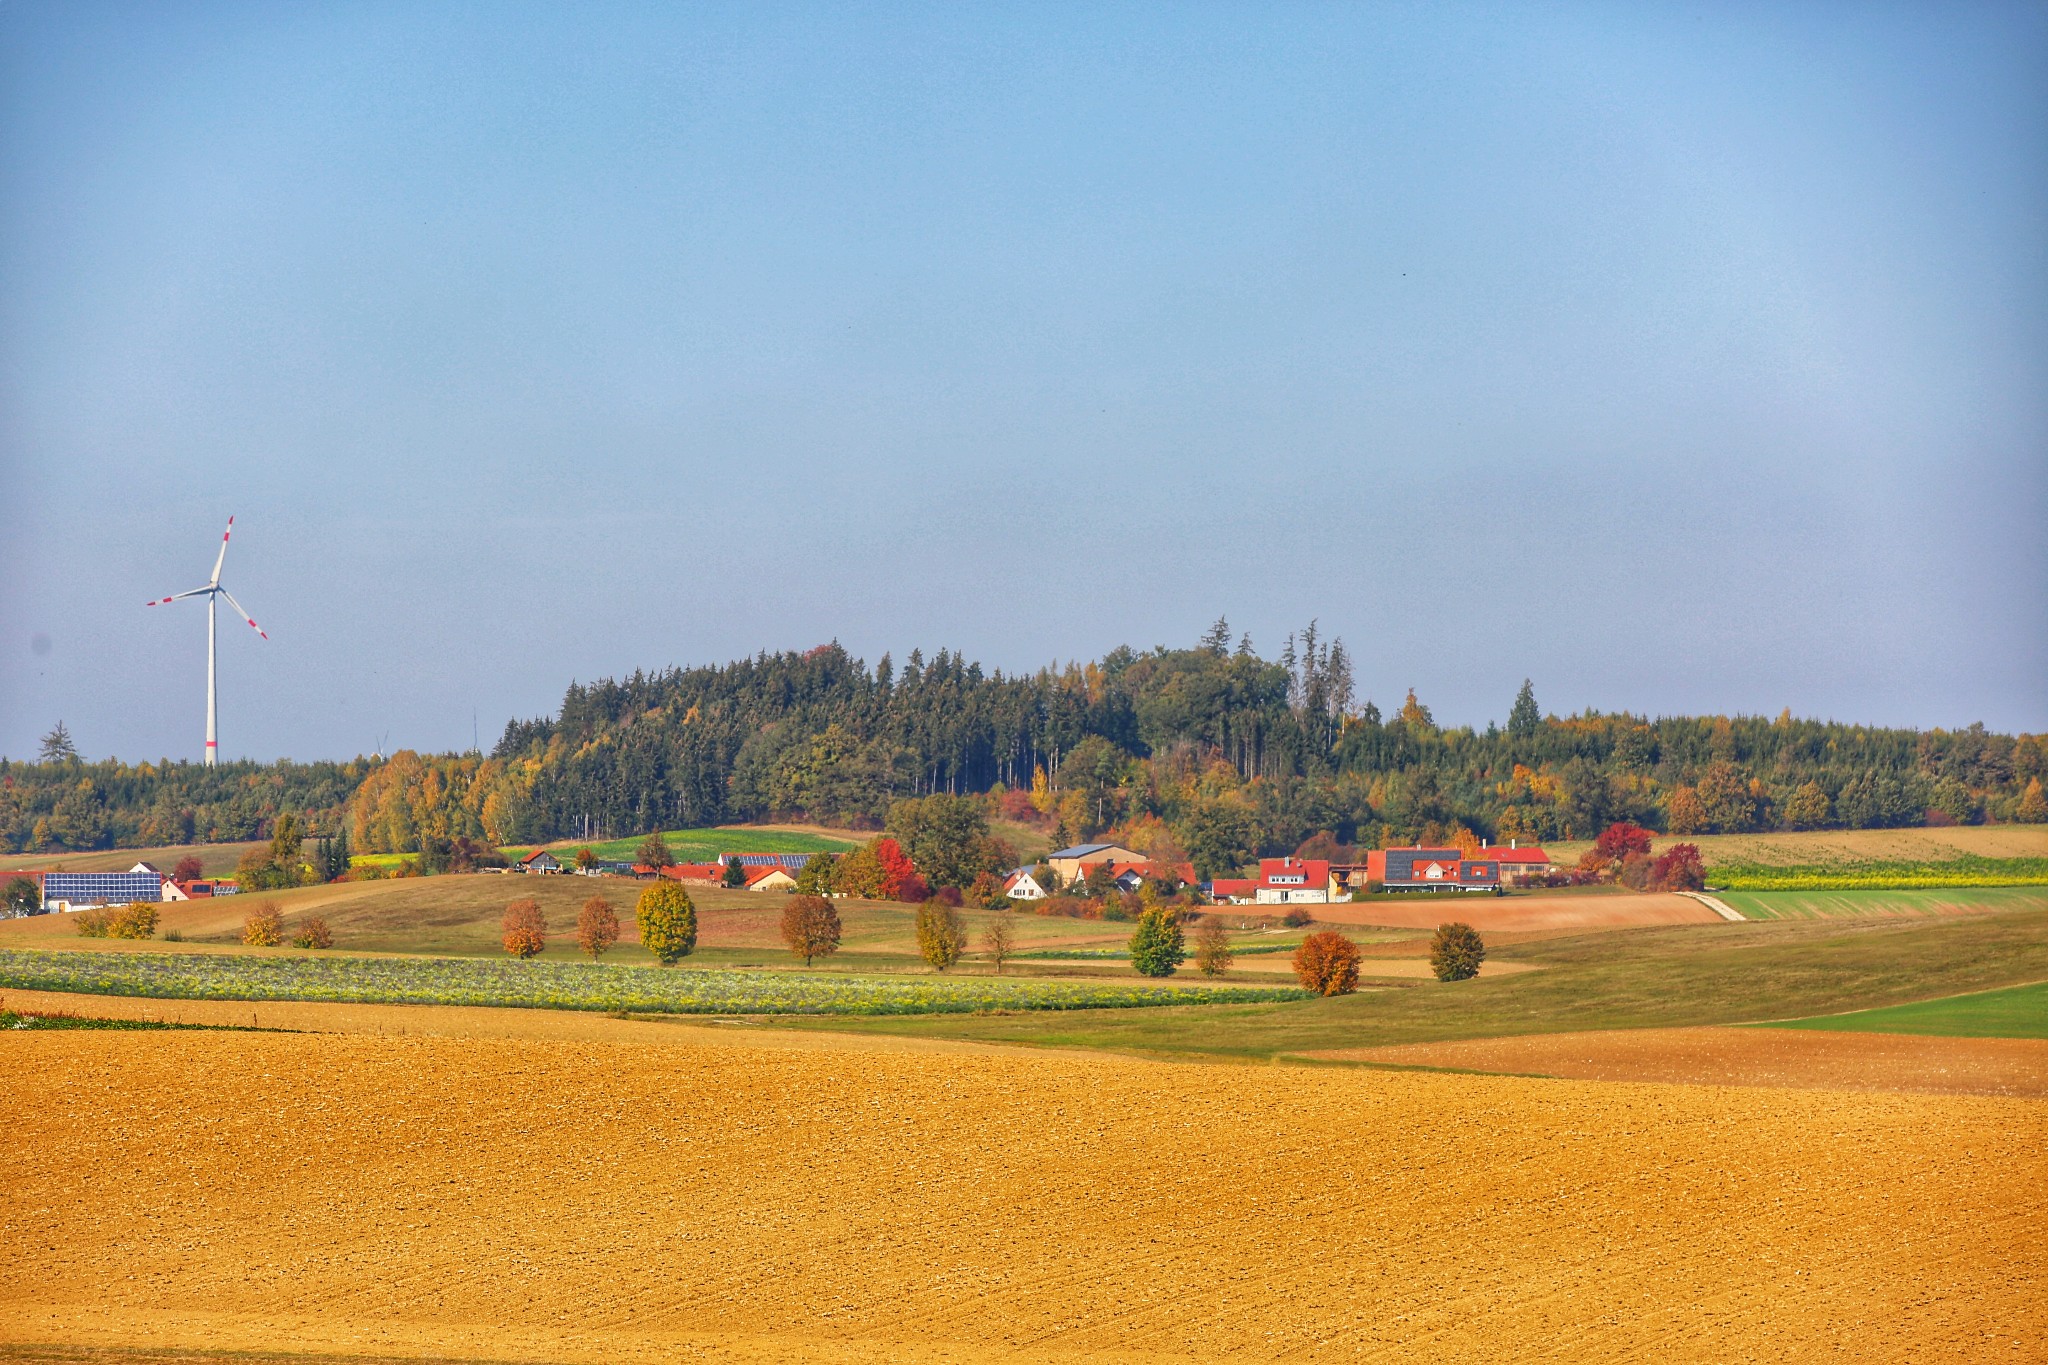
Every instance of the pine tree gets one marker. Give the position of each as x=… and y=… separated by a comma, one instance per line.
x=57, y=746
x=1524, y=720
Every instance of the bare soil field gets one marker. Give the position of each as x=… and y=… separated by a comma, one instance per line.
x=1891, y=1062
x=586, y=1202
x=1425, y=911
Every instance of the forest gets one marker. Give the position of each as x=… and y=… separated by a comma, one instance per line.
x=1232, y=754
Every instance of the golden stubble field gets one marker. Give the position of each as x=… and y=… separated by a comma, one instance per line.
x=586, y=1202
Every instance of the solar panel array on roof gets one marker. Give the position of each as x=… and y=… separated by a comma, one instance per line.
x=791, y=862
x=102, y=888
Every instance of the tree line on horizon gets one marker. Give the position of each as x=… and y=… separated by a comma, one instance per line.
x=1232, y=754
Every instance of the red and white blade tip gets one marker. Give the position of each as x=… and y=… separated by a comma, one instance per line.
x=258, y=629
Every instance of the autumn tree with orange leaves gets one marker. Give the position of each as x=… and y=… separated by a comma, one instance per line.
x=526, y=929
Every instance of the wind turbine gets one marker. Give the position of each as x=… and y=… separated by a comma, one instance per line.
x=210, y=592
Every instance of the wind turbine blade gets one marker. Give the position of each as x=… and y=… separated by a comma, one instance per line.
x=165, y=601
x=218, y=559
x=245, y=615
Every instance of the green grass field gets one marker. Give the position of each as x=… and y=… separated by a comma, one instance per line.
x=1766, y=905
x=1674, y=976
x=2014, y=1012
x=701, y=845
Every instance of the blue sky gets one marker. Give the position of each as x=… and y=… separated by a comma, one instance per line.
x=1683, y=360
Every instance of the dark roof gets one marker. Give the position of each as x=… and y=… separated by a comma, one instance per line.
x=1080, y=850
x=794, y=862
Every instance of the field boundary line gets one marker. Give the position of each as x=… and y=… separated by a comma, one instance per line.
x=1721, y=908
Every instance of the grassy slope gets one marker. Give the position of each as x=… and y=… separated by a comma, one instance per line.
x=218, y=860
x=2014, y=1012
x=702, y=845
x=1857, y=904
x=1850, y=845
x=1644, y=978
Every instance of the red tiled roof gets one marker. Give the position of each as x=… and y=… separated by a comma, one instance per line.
x=1515, y=855
x=757, y=874
x=1313, y=871
x=1233, y=886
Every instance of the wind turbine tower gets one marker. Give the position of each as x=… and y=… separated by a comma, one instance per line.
x=211, y=592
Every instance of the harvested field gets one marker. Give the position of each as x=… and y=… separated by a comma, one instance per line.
x=1529, y=912
x=1745, y=1056
x=592, y=1202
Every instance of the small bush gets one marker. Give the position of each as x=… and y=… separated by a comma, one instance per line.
x=1327, y=963
x=92, y=923
x=313, y=933
x=1297, y=918
x=526, y=929
x=1456, y=952
x=265, y=928
x=948, y=895
x=137, y=919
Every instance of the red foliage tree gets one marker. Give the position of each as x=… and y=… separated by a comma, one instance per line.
x=187, y=870
x=1680, y=868
x=896, y=866
x=915, y=889
x=1620, y=839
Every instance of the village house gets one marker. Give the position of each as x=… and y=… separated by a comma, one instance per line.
x=1022, y=885
x=1292, y=881
x=774, y=878
x=540, y=861
x=1433, y=869
x=1234, y=890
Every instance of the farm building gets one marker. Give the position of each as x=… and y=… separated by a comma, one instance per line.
x=77, y=890
x=775, y=878
x=1068, y=862
x=791, y=862
x=1432, y=869
x=1292, y=881
x=711, y=874
x=1236, y=890
x=1517, y=863
x=541, y=861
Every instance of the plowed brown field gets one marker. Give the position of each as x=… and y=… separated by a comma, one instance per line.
x=1425, y=911
x=589, y=1202
x=1746, y=1056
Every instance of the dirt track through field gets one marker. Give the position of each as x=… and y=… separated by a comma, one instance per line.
x=1799, y=1058
x=593, y=1202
